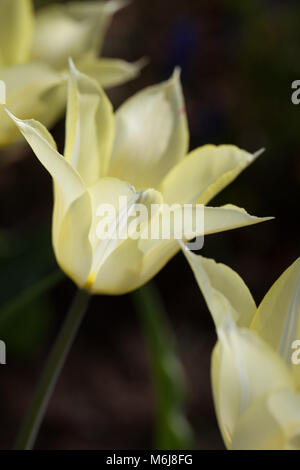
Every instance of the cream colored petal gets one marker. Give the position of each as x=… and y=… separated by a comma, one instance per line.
x=204, y=173
x=68, y=184
x=44, y=147
x=120, y=272
x=226, y=394
x=89, y=127
x=285, y=407
x=277, y=320
x=72, y=246
x=135, y=267
x=110, y=232
x=32, y=91
x=228, y=217
x=272, y=423
x=226, y=294
x=99, y=15
x=163, y=232
x=71, y=30
x=244, y=370
x=151, y=134
x=157, y=252
x=110, y=72
x=107, y=192
x=72, y=211
x=257, y=429
x=16, y=31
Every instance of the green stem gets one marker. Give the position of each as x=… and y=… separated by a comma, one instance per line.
x=172, y=430
x=50, y=374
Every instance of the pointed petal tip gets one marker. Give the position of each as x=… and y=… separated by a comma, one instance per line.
x=17, y=120
x=72, y=68
x=142, y=62
x=242, y=209
x=251, y=157
x=112, y=6
x=176, y=73
x=263, y=219
x=174, y=81
x=9, y=113
x=74, y=72
x=77, y=75
x=259, y=152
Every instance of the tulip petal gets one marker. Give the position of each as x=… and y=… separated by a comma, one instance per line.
x=16, y=31
x=244, y=370
x=120, y=273
x=110, y=72
x=119, y=248
x=285, y=407
x=210, y=220
x=71, y=243
x=44, y=147
x=68, y=184
x=32, y=90
x=107, y=193
x=71, y=30
x=196, y=221
x=72, y=208
x=272, y=423
x=161, y=244
x=98, y=14
x=157, y=252
x=89, y=127
x=228, y=217
x=151, y=134
x=135, y=267
x=225, y=293
x=277, y=319
x=257, y=429
x=204, y=173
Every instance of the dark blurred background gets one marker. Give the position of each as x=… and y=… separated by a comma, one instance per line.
x=238, y=61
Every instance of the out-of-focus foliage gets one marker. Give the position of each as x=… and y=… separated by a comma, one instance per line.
x=25, y=261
